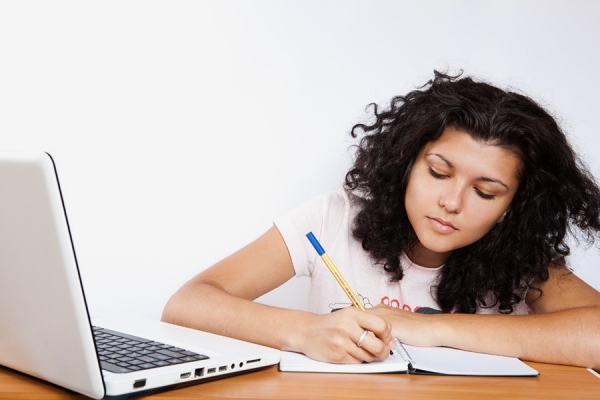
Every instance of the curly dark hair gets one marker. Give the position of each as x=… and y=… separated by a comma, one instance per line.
x=556, y=192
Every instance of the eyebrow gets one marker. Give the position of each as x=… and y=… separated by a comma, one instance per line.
x=481, y=178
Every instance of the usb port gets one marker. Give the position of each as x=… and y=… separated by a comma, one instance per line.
x=139, y=383
x=223, y=368
x=211, y=370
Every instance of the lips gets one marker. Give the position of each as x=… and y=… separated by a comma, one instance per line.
x=441, y=225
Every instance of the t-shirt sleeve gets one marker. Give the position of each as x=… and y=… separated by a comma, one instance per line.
x=323, y=216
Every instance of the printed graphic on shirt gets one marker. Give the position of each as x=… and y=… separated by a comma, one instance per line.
x=338, y=306
x=386, y=300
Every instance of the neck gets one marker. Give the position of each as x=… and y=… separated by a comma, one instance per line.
x=420, y=255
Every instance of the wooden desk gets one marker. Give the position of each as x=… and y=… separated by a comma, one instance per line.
x=554, y=382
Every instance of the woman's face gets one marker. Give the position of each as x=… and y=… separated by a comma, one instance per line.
x=457, y=191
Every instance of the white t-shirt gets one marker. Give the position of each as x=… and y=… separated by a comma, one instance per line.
x=330, y=218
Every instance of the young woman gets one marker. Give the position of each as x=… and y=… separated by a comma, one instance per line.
x=451, y=227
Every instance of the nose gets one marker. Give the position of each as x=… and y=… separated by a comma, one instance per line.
x=452, y=200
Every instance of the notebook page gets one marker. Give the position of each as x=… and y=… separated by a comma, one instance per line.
x=296, y=362
x=444, y=360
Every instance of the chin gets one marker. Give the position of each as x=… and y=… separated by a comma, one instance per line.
x=440, y=250
x=435, y=246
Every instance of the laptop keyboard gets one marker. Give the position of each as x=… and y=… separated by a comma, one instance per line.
x=121, y=353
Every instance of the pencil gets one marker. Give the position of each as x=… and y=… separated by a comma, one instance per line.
x=349, y=292
x=336, y=273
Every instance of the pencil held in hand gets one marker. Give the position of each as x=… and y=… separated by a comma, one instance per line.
x=349, y=292
x=336, y=273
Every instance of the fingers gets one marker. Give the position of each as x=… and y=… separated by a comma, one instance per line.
x=376, y=342
x=340, y=337
x=347, y=350
x=362, y=337
x=371, y=348
x=381, y=328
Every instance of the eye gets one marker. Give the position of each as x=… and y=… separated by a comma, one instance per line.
x=484, y=195
x=437, y=175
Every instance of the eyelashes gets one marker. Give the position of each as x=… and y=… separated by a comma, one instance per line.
x=437, y=175
x=484, y=195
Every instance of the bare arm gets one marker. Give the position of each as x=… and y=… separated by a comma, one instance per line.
x=563, y=328
x=220, y=300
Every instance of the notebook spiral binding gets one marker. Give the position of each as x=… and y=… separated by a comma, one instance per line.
x=405, y=356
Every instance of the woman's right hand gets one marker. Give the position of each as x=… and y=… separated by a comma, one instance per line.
x=220, y=300
x=334, y=337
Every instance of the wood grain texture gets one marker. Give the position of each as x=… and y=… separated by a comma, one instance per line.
x=554, y=382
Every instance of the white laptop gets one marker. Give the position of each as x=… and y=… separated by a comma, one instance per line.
x=45, y=327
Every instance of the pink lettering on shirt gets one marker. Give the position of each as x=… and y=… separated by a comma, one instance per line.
x=385, y=300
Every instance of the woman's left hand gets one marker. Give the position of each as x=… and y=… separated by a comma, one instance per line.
x=411, y=328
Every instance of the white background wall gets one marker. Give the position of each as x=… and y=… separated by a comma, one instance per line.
x=181, y=129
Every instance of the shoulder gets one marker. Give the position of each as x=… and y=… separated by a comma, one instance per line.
x=327, y=216
x=339, y=198
x=562, y=290
x=333, y=205
x=324, y=215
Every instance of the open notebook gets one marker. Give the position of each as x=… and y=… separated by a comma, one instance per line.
x=426, y=360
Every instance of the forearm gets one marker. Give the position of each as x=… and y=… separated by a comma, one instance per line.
x=206, y=307
x=564, y=337
x=328, y=337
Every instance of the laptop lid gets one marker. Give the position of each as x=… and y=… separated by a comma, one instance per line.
x=44, y=323
x=45, y=328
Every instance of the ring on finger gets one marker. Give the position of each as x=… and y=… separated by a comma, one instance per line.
x=362, y=338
